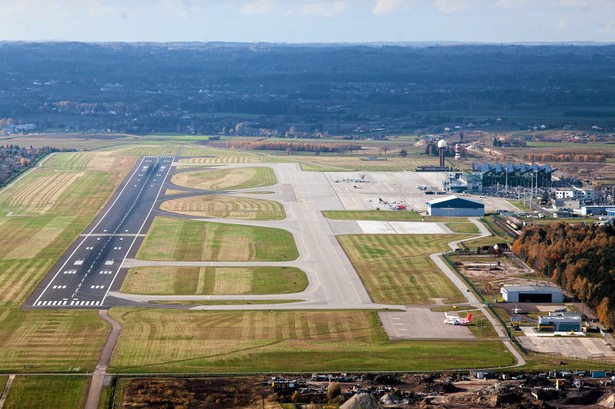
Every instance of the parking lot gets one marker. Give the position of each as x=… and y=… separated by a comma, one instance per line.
x=573, y=347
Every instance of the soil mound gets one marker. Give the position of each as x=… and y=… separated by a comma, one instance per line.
x=361, y=401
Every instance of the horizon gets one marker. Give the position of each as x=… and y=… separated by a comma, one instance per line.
x=310, y=21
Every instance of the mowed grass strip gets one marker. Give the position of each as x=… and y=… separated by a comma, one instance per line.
x=50, y=340
x=226, y=207
x=192, y=240
x=378, y=215
x=463, y=227
x=281, y=341
x=396, y=269
x=226, y=179
x=45, y=392
x=214, y=280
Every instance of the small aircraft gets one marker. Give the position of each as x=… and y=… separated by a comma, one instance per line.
x=456, y=320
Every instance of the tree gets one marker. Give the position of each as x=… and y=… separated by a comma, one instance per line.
x=403, y=153
x=333, y=390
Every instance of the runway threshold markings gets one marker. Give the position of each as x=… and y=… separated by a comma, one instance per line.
x=132, y=205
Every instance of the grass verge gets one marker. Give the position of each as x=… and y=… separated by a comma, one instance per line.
x=396, y=269
x=226, y=207
x=45, y=392
x=191, y=240
x=226, y=179
x=380, y=215
x=214, y=280
x=281, y=341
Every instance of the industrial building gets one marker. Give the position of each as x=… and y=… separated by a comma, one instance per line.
x=532, y=293
x=511, y=175
x=560, y=322
x=453, y=206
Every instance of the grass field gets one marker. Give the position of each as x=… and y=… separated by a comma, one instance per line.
x=191, y=240
x=282, y=341
x=226, y=179
x=215, y=280
x=379, y=215
x=226, y=207
x=46, y=392
x=396, y=269
x=461, y=227
x=50, y=340
x=39, y=217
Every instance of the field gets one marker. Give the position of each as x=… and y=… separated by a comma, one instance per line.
x=396, y=269
x=40, y=215
x=226, y=179
x=50, y=340
x=226, y=207
x=332, y=163
x=191, y=240
x=215, y=280
x=45, y=392
x=263, y=341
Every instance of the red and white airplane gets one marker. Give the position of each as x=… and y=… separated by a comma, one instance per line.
x=456, y=320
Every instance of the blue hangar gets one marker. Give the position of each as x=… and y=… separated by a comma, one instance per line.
x=453, y=206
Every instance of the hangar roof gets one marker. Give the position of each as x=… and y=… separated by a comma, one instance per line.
x=532, y=288
x=455, y=201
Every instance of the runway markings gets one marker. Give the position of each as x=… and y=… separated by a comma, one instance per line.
x=94, y=266
x=64, y=302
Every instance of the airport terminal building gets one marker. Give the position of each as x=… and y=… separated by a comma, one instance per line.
x=453, y=206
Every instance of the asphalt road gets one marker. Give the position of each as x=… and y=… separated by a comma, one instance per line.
x=84, y=275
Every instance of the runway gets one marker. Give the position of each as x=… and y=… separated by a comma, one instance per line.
x=86, y=272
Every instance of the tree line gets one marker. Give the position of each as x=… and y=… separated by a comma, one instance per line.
x=295, y=146
x=566, y=157
x=579, y=258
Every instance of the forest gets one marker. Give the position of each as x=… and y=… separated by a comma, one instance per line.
x=580, y=258
x=209, y=88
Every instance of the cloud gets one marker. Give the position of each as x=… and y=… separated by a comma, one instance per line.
x=609, y=28
x=562, y=24
x=509, y=4
x=385, y=6
x=449, y=6
x=259, y=8
x=585, y=5
x=323, y=8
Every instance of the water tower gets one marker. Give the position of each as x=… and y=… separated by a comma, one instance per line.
x=442, y=151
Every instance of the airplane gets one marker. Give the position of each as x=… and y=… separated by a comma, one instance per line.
x=456, y=320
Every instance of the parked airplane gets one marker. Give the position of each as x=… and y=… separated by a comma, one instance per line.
x=456, y=320
x=359, y=179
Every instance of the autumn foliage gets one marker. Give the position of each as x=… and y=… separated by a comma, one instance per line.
x=294, y=146
x=578, y=258
x=566, y=157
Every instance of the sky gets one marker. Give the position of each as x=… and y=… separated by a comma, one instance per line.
x=309, y=21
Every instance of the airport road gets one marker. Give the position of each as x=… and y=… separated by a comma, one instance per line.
x=84, y=275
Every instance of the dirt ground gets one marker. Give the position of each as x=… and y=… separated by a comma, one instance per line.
x=402, y=391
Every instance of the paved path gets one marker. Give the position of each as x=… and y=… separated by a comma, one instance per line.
x=100, y=372
x=5, y=392
x=471, y=297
